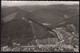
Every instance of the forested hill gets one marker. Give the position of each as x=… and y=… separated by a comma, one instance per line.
x=20, y=30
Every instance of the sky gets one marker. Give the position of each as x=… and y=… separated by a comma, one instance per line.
x=20, y=3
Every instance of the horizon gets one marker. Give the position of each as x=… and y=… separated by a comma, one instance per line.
x=33, y=3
